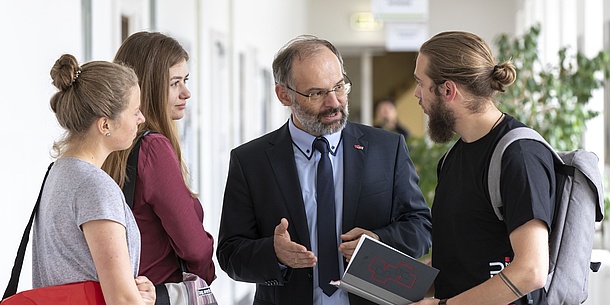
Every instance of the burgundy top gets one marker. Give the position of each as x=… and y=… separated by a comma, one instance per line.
x=169, y=218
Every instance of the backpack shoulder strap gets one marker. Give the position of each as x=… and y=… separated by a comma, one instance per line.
x=495, y=164
x=132, y=170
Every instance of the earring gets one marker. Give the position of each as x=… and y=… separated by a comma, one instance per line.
x=108, y=134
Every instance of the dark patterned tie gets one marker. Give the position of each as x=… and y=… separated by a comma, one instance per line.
x=328, y=262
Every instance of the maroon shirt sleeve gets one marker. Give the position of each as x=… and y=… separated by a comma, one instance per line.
x=169, y=218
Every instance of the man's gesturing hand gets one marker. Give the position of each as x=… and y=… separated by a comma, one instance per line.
x=288, y=252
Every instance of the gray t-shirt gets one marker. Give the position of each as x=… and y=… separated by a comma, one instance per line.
x=76, y=192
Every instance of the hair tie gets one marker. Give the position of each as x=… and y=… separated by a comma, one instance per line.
x=496, y=68
x=76, y=75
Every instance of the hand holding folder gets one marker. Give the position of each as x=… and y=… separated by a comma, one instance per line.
x=385, y=275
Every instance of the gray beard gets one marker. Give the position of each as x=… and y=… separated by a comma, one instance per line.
x=312, y=122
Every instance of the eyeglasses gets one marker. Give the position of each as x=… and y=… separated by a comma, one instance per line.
x=317, y=96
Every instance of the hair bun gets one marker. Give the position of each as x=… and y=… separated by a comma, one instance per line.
x=65, y=72
x=503, y=75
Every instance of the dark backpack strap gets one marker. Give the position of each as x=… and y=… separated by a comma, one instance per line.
x=162, y=295
x=11, y=288
x=129, y=187
x=129, y=192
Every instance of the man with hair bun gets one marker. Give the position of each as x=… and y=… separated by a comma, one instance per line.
x=482, y=260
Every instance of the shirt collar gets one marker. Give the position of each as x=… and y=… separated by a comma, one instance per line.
x=304, y=141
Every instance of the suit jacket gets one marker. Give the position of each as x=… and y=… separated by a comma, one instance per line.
x=381, y=194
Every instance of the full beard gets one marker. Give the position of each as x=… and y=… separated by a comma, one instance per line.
x=312, y=122
x=441, y=122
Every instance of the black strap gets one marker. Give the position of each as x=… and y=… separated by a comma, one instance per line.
x=11, y=288
x=162, y=295
x=129, y=187
x=182, y=264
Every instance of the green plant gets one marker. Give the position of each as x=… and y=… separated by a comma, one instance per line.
x=550, y=98
x=425, y=155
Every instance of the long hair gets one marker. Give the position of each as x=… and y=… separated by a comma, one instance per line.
x=467, y=60
x=150, y=54
x=86, y=93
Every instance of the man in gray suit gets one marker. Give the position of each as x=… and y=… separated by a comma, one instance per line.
x=289, y=231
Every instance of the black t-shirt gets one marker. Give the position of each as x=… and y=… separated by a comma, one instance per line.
x=470, y=244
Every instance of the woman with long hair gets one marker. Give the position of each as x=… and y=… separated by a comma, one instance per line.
x=168, y=212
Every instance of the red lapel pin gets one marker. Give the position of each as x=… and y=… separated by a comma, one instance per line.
x=359, y=147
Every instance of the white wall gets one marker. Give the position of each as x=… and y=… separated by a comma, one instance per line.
x=487, y=19
x=32, y=40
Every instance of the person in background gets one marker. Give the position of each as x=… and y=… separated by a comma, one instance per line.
x=482, y=260
x=83, y=230
x=168, y=212
x=285, y=228
x=386, y=117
